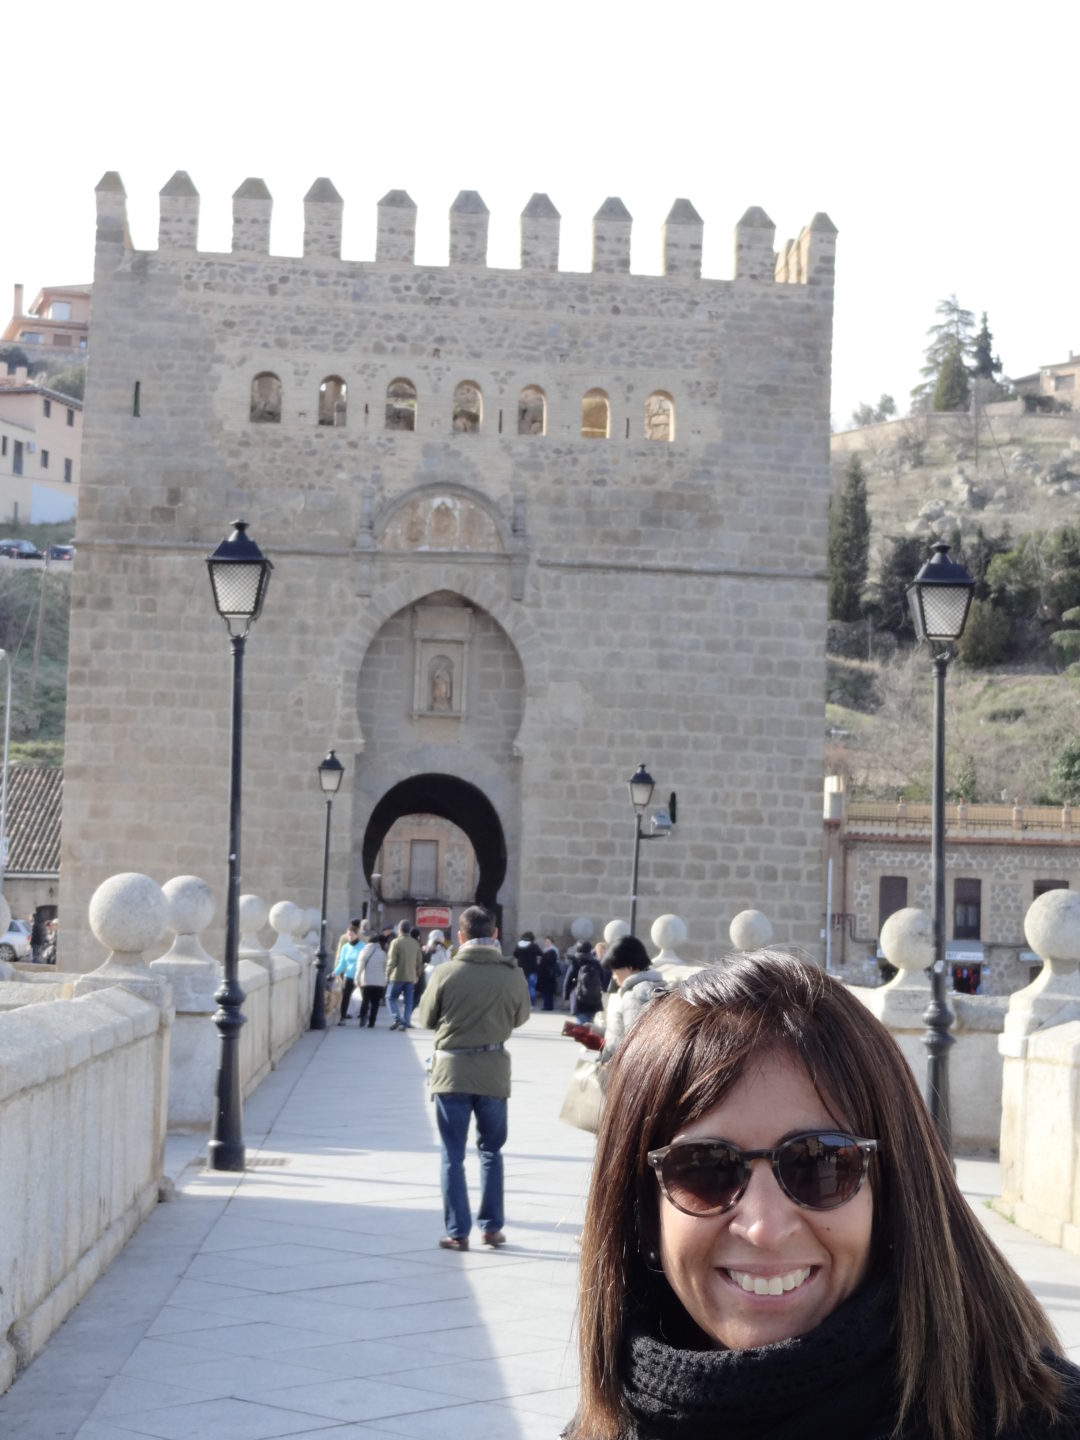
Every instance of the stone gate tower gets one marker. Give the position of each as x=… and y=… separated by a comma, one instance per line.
x=529, y=527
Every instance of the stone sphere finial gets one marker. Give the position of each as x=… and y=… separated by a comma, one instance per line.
x=191, y=904
x=614, y=931
x=129, y=913
x=287, y=919
x=582, y=928
x=1052, y=926
x=5, y=916
x=907, y=942
x=253, y=914
x=750, y=930
x=667, y=934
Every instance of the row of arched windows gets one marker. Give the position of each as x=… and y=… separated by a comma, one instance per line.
x=468, y=408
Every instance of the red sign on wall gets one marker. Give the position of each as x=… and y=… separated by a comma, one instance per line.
x=433, y=917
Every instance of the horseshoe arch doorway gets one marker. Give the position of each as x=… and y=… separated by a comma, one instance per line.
x=462, y=804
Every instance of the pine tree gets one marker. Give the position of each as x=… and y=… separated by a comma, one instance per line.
x=849, y=545
x=949, y=338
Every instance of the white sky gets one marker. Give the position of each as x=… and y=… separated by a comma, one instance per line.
x=939, y=137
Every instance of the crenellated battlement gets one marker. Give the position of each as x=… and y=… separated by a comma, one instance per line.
x=808, y=260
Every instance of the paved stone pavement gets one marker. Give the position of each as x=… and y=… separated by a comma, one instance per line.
x=308, y=1297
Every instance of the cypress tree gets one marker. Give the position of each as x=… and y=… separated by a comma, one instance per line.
x=849, y=545
x=953, y=388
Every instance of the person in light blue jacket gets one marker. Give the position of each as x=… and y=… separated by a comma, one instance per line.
x=347, y=956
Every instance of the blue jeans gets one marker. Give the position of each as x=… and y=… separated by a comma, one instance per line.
x=532, y=988
x=399, y=989
x=453, y=1113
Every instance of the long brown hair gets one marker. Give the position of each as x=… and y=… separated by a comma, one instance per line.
x=964, y=1318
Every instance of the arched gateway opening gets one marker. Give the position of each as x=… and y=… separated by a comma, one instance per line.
x=457, y=801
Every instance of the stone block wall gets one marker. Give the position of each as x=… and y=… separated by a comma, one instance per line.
x=1008, y=872
x=631, y=599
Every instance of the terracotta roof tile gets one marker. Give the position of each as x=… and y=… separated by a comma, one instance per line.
x=34, y=801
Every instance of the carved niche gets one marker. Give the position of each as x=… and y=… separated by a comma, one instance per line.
x=441, y=634
x=442, y=522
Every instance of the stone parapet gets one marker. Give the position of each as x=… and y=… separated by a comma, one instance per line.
x=81, y=1147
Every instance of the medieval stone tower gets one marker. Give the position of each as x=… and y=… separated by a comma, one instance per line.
x=529, y=528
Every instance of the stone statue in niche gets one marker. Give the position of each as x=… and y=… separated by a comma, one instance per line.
x=441, y=685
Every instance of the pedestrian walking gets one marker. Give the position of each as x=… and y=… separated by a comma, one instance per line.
x=473, y=1003
x=528, y=955
x=403, y=964
x=348, y=953
x=371, y=974
x=547, y=978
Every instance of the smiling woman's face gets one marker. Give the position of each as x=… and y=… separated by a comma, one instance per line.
x=715, y=1263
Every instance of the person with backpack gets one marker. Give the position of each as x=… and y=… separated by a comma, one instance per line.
x=588, y=993
x=547, y=977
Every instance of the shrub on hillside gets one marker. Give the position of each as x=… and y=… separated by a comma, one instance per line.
x=987, y=636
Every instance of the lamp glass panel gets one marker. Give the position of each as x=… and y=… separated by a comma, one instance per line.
x=236, y=588
x=641, y=793
x=330, y=777
x=945, y=610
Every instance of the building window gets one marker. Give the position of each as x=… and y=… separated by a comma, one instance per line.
x=967, y=909
x=3, y=444
x=401, y=405
x=468, y=407
x=31, y=337
x=595, y=415
x=63, y=340
x=265, y=399
x=60, y=310
x=44, y=459
x=892, y=896
x=659, y=416
x=532, y=411
x=16, y=458
x=47, y=408
x=1064, y=382
x=333, y=393
x=67, y=472
x=71, y=417
x=423, y=868
x=1040, y=887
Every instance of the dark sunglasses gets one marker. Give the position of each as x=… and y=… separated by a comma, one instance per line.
x=819, y=1170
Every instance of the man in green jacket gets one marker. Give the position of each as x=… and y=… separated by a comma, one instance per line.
x=404, y=961
x=473, y=1003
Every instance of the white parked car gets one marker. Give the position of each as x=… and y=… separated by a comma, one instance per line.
x=15, y=945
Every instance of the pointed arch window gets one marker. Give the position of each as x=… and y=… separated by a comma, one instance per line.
x=532, y=411
x=265, y=399
x=333, y=397
x=468, y=407
x=595, y=415
x=401, y=405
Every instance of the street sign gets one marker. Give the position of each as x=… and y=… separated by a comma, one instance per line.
x=433, y=917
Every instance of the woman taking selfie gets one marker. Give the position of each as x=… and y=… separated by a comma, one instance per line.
x=775, y=1246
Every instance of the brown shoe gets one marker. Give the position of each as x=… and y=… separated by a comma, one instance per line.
x=494, y=1238
x=454, y=1242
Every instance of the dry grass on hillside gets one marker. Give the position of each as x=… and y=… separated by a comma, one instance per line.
x=1006, y=725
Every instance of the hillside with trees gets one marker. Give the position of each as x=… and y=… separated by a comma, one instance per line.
x=975, y=467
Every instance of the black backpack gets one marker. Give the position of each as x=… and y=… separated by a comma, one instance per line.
x=589, y=994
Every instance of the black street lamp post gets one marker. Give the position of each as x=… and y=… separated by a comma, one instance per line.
x=641, y=788
x=331, y=774
x=239, y=575
x=940, y=597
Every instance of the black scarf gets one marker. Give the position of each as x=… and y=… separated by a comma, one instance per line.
x=836, y=1382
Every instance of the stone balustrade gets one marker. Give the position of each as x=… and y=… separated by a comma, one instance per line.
x=1040, y=1050
x=95, y=1067
x=974, y=1062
